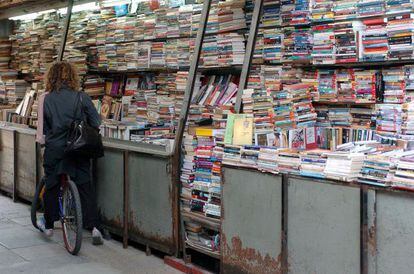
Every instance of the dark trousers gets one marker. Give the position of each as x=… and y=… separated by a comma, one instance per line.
x=88, y=202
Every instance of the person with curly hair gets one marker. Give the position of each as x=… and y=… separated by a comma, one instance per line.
x=60, y=109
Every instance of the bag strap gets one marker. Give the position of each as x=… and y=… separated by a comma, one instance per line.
x=78, y=106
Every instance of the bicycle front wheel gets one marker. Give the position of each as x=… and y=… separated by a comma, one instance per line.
x=71, y=217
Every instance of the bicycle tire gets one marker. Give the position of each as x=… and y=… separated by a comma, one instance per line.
x=74, y=250
x=36, y=203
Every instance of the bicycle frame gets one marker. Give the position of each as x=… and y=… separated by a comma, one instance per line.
x=63, y=183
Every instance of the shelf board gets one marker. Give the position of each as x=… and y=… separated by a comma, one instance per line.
x=378, y=64
x=213, y=254
x=343, y=103
x=317, y=23
x=208, y=222
x=165, y=39
x=209, y=70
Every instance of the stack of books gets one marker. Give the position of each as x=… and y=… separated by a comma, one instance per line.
x=271, y=13
x=407, y=127
x=365, y=85
x=378, y=169
x=94, y=85
x=5, y=50
x=362, y=117
x=388, y=117
x=288, y=161
x=322, y=11
x=394, y=85
x=370, y=8
x=400, y=29
x=267, y=160
x=374, y=40
x=343, y=166
x=345, y=9
x=346, y=50
x=345, y=85
x=404, y=174
x=409, y=83
x=323, y=44
x=327, y=85
x=272, y=45
x=313, y=163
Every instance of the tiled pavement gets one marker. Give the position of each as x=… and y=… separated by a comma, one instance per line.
x=23, y=249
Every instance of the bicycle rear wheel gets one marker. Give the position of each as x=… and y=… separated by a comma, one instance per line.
x=71, y=217
x=37, y=202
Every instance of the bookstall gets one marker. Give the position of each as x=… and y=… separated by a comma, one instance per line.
x=272, y=136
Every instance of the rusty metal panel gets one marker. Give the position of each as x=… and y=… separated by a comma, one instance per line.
x=26, y=166
x=6, y=160
x=395, y=230
x=323, y=227
x=150, y=201
x=251, y=222
x=109, y=189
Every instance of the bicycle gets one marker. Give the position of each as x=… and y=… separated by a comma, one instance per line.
x=70, y=212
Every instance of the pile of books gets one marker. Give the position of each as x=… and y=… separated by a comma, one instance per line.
x=322, y=11
x=94, y=85
x=267, y=160
x=388, y=117
x=271, y=13
x=374, y=40
x=343, y=166
x=365, y=85
x=272, y=45
x=223, y=50
x=394, y=85
x=400, y=29
x=288, y=161
x=345, y=9
x=378, y=169
x=404, y=173
x=326, y=87
x=346, y=49
x=5, y=50
x=313, y=163
x=323, y=44
x=407, y=127
x=16, y=90
x=370, y=7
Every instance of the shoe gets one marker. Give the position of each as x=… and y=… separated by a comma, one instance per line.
x=96, y=237
x=41, y=224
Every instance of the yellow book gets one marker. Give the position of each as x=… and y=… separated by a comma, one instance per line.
x=204, y=131
x=243, y=131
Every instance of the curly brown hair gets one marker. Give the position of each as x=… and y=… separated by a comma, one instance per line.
x=60, y=74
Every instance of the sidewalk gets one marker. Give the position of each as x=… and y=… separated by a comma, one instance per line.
x=23, y=249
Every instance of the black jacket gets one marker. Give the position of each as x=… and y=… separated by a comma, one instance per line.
x=59, y=112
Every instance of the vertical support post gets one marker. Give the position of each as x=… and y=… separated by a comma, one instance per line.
x=251, y=43
x=65, y=30
x=364, y=230
x=285, y=187
x=183, y=119
x=14, y=166
x=191, y=77
x=125, y=235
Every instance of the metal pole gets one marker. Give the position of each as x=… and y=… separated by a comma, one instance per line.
x=192, y=76
x=65, y=30
x=125, y=234
x=251, y=43
x=182, y=121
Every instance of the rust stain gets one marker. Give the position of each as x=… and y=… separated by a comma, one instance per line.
x=372, y=240
x=153, y=237
x=239, y=259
